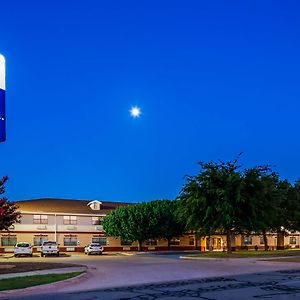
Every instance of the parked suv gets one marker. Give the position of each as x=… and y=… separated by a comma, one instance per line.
x=93, y=248
x=23, y=248
x=49, y=248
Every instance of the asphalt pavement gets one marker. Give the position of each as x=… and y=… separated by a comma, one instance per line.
x=284, y=284
x=168, y=277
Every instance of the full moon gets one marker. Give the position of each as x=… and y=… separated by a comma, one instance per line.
x=135, y=112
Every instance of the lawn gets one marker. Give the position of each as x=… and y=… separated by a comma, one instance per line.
x=245, y=254
x=28, y=281
x=31, y=266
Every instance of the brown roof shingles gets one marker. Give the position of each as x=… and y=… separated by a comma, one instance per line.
x=53, y=205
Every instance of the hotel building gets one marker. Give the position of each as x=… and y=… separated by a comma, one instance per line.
x=76, y=223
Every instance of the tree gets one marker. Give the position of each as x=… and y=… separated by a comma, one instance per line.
x=169, y=225
x=8, y=211
x=288, y=210
x=261, y=198
x=211, y=201
x=133, y=222
x=143, y=221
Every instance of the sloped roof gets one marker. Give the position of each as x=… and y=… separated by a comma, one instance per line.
x=54, y=205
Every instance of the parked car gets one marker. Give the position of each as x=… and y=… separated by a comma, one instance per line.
x=23, y=248
x=93, y=248
x=49, y=248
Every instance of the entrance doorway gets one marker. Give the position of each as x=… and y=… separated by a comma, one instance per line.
x=217, y=243
x=214, y=244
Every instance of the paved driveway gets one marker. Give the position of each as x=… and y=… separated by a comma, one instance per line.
x=125, y=271
x=278, y=285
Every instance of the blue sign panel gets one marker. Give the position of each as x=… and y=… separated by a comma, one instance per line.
x=2, y=116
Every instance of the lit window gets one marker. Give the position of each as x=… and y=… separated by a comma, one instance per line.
x=191, y=241
x=175, y=242
x=40, y=219
x=70, y=220
x=248, y=240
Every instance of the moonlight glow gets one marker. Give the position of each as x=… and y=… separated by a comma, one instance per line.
x=135, y=112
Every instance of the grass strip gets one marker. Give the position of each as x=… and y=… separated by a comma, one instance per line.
x=28, y=281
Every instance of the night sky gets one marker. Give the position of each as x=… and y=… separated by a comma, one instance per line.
x=212, y=79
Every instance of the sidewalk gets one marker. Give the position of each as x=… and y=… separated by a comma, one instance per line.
x=44, y=272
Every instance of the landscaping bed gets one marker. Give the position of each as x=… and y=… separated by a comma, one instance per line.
x=16, y=267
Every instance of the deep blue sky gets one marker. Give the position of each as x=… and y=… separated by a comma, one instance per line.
x=213, y=78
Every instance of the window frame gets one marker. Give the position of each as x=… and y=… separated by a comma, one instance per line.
x=42, y=238
x=70, y=220
x=40, y=219
x=248, y=240
x=9, y=237
x=97, y=220
x=73, y=240
x=151, y=242
x=101, y=243
x=175, y=242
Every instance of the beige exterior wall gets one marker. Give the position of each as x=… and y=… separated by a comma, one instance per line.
x=84, y=231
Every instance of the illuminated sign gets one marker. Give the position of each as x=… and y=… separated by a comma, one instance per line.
x=2, y=99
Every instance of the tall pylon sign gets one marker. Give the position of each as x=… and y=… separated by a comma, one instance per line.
x=2, y=99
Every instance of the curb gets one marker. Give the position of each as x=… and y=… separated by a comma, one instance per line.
x=202, y=258
x=56, y=284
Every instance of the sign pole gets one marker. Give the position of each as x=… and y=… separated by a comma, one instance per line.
x=2, y=100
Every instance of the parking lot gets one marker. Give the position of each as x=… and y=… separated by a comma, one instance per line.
x=120, y=270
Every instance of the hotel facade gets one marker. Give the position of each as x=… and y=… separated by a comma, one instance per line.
x=76, y=223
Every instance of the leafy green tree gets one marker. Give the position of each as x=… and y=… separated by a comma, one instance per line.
x=169, y=225
x=143, y=221
x=261, y=198
x=8, y=211
x=288, y=210
x=211, y=201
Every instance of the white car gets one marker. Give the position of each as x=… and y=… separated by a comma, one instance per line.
x=49, y=248
x=23, y=248
x=93, y=248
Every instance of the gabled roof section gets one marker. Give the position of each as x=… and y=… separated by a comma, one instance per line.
x=70, y=206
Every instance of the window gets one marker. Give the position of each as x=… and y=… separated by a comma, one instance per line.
x=191, y=241
x=70, y=240
x=126, y=242
x=8, y=240
x=38, y=240
x=40, y=219
x=261, y=241
x=100, y=240
x=97, y=220
x=293, y=240
x=151, y=242
x=175, y=242
x=248, y=240
x=95, y=205
x=70, y=220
